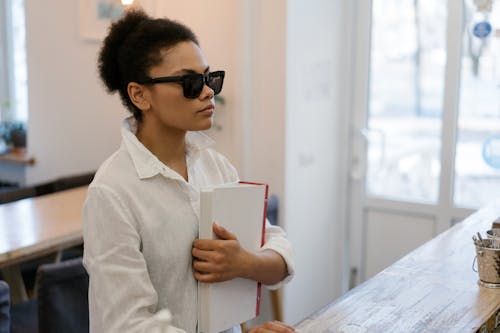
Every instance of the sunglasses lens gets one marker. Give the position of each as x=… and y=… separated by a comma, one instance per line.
x=193, y=85
x=215, y=81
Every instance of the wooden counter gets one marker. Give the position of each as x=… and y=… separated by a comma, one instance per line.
x=35, y=227
x=432, y=289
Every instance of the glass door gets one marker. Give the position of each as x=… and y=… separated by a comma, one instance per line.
x=406, y=89
x=477, y=165
x=426, y=137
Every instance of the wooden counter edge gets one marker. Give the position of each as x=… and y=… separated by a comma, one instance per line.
x=41, y=249
x=18, y=156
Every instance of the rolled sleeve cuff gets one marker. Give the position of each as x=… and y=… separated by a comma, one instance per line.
x=283, y=248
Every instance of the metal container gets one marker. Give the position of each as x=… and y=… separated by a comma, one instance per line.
x=494, y=234
x=488, y=262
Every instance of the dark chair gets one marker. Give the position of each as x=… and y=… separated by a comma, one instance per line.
x=17, y=194
x=62, y=297
x=21, y=317
x=4, y=307
x=66, y=183
x=272, y=209
x=24, y=317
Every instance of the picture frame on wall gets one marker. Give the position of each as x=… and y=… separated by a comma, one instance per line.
x=97, y=15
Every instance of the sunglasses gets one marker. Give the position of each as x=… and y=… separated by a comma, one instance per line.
x=192, y=84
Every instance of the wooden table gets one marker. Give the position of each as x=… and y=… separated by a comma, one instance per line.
x=35, y=227
x=432, y=289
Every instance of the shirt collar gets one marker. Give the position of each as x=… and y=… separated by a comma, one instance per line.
x=148, y=165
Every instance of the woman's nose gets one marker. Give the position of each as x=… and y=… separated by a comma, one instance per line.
x=207, y=92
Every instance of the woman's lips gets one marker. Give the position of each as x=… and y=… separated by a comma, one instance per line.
x=208, y=109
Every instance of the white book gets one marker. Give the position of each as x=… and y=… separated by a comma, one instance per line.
x=241, y=209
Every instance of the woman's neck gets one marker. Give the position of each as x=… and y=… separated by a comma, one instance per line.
x=167, y=144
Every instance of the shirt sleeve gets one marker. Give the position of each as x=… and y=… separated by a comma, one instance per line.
x=121, y=295
x=275, y=239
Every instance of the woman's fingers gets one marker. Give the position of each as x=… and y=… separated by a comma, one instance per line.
x=220, y=260
x=203, y=254
x=209, y=277
x=223, y=233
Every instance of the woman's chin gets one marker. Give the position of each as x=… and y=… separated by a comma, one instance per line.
x=204, y=126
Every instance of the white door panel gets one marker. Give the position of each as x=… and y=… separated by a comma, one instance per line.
x=391, y=235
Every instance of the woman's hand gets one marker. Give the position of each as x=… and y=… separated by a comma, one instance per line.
x=220, y=259
x=272, y=327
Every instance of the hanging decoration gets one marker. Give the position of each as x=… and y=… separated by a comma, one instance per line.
x=480, y=25
x=491, y=151
x=481, y=29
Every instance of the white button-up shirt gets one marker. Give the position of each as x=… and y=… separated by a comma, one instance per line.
x=139, y=222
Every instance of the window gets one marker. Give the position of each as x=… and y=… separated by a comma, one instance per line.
x=406, y=98
x=406, y=107
x=13, y=71
x=477, y=162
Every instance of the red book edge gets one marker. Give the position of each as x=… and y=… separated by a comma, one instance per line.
x=262, y=240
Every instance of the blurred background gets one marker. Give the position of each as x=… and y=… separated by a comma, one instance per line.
x=375, y=122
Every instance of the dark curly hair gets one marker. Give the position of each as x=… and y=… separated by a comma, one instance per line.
x=132, y=47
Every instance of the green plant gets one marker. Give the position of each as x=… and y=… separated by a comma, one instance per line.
x=13, y=133
x=220, y=99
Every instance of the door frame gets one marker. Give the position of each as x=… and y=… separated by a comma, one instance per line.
x=443, y=212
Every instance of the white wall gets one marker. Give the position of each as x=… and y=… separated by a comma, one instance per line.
x=312, y=148
x=73, y=124
x=266, y=118
x=293, y=142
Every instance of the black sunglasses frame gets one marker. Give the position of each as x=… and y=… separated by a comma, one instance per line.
x=186, y=82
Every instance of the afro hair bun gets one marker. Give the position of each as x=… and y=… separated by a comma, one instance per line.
x=108, y=64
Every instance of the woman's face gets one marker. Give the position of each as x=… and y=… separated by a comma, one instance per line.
x=168, y=106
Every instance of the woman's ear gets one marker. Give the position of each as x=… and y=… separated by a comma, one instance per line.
x=139, y=96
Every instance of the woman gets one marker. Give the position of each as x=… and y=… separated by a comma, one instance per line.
x=142, y=209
